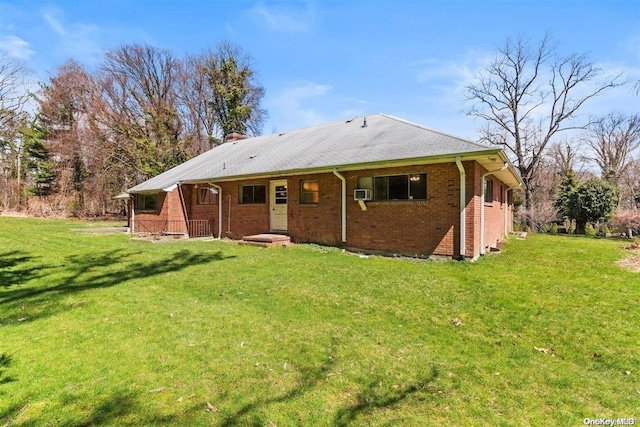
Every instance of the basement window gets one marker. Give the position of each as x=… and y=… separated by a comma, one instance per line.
x=252, y=194
x=309, y=192
x=147, y=202
x=206, y=197
x=396, y=187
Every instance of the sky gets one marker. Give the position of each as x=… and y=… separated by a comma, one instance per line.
x=322, y=61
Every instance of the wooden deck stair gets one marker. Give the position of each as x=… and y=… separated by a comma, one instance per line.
x=266, y=240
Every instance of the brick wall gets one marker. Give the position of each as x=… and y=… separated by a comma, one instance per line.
x=494, y=215
x=157, y=221
x=411, y=227
x=420, y=227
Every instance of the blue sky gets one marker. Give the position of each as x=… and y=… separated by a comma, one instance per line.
x=321, y=61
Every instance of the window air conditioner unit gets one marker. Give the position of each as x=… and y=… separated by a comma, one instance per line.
x=362, y=194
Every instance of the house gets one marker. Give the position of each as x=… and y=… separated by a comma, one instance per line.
x=374, y=183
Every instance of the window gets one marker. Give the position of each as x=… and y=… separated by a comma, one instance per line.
x=253, y=194
x=396, y=187
x=280, y=196
x=207, y=197
x=309, y=192
x=146, y=202
x=488, y=190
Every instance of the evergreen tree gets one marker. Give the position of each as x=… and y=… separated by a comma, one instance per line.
x=568, y=187
x=588, y=202
x=39, y=168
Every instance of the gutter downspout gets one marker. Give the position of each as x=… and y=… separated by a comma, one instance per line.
x=484, y=175
x=463, y=212
x=344, y=204
x=184, y=208
x=219, y=209
x=132, y=228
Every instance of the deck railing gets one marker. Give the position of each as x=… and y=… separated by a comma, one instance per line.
x=200, y=228
x=193, y=228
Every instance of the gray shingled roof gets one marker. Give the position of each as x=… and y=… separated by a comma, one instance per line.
x=332, y=145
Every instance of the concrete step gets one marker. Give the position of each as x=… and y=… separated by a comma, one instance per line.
x=266, y=240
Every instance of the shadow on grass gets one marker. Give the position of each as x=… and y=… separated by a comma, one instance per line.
x=5, y=362
x=310, y=377
x=115, y=409
x=92, y=271
x=371, y=397
x=12, y=272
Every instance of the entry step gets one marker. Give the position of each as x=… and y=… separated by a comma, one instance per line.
x=267, y=240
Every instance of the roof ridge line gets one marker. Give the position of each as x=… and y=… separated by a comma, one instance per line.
x=434, y=130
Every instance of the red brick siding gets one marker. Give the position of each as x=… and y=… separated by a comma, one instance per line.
x=317, y=223
x=474, y=191
x=411, y=227
x=246, y=219
x=494, y=215
x=170, y=210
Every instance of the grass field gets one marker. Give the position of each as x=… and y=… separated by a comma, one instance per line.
x=100, y=330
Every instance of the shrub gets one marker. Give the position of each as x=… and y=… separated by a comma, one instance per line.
x=604, y=230
x=589, y=230
x=572, y=228
x=554, y=228
x=625, y=219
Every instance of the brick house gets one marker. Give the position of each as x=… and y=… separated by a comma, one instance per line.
x=375, y=183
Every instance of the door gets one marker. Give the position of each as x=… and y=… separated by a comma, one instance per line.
x=278, y=205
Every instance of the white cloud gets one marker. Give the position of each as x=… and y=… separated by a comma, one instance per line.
x=288, y=21
x=54, y=23
x=304, y=103
x=77, y=40
x=16, y=47
x=297, y=105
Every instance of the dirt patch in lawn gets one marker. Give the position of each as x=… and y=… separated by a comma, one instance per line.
x=633, y=262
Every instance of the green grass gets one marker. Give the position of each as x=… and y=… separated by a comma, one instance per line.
x=99, y=330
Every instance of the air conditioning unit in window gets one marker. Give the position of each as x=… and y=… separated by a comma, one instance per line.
x=362, y=194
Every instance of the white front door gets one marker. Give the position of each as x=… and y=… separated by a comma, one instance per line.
x=278, y=205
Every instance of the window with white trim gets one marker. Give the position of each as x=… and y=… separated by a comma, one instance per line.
x=309, y=192
x=411, y=186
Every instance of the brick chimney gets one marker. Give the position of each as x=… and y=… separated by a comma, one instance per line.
x=235, y=136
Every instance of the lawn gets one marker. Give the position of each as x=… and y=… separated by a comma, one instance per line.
x=100, y=330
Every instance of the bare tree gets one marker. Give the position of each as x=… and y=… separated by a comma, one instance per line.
x=219, y=94
x=630, y=185
x=14, y=89
x=613, y=138
x=141, y=109
x=195, y=95
x=236, y=93
x=527, y=95
x=14, y=94
x=67, y=106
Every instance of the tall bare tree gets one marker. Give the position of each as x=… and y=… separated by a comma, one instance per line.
x=236, y=93
x=613, y=138
x=14, y=94
x=139, y=86
x=527, y=95
x=219, y=94
x=630, y=185
x=14, y=89
x=66, y=106
x=199, y=116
